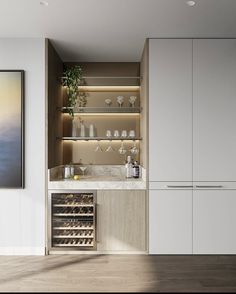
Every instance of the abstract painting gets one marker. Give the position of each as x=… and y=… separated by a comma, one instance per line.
x=11, y=128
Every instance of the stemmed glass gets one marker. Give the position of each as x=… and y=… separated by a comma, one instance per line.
x=134, y=150
x=110, y=148
x=120, y=100
x=122, y=150
x=108, y=102
x=83, y=169
x=98, y=148
x=132, y=100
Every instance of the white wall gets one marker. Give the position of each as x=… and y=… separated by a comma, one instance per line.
x=22, y=211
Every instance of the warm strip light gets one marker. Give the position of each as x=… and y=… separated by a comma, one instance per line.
x=102, y=141
x=109, y=88
x=105, y=113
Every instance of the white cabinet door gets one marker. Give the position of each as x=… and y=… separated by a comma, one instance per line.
x=170, y=110
x=214, y=104
x=170, y=222
x=214, y=222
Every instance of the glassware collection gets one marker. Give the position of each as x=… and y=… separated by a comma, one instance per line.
x=80, y=130
x=89, y=130
x=122, y=149
x=120, y=101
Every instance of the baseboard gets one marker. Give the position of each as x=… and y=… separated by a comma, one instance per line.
x=93, y=252
x=22, y=251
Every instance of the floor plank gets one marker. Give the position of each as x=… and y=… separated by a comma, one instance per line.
x=117, y=273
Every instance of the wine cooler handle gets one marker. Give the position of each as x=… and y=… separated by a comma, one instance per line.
x=95, y=225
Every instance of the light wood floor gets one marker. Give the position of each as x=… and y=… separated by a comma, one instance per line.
x=118, y=273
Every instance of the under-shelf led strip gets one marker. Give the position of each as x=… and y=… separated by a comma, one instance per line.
x=104, y=113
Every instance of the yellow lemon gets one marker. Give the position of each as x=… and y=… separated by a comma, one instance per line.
x=76, y=177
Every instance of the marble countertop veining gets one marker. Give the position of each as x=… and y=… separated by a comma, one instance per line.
x=99, y=183
x=98, y=178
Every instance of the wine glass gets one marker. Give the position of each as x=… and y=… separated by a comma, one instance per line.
x=120, y=100
x=122, y=150
x=98, y=148
x=134, y=150
x=110, y=148
x=83, y=169
x=132, y=100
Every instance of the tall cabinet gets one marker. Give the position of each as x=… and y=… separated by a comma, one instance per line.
x=192, y=143
x=170, y=146
x=170, y=110
x=214, y=105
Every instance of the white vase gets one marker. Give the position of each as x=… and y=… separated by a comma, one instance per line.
x=91, y=130
x=82, y=130
x=74, y=127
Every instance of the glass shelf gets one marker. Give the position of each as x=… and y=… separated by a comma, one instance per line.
x=104, y=110
x=99, y=138
x=110, y=80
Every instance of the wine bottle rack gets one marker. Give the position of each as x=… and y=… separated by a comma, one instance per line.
x=72, y=221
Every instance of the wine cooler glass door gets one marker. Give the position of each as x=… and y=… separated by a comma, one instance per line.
x=72, y=221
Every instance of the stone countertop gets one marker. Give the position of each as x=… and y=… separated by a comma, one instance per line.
x=98, y=183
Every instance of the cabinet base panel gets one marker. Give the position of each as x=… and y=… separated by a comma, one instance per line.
x=51, y=252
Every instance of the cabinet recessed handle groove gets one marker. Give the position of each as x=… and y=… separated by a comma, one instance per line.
x=209, y=186
x=182, y=186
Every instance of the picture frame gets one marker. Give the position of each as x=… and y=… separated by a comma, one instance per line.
x=12, y=92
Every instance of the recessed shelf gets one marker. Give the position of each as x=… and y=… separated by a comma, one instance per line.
x=99, y=139
x=104, y=110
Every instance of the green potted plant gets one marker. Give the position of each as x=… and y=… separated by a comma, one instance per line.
x=72, y=78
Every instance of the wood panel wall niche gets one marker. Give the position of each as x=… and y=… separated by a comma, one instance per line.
x=55, y=72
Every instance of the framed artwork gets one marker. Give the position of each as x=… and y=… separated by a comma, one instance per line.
x=11, y=129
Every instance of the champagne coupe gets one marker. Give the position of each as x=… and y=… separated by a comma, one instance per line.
x=83, y=169
x=108, y=102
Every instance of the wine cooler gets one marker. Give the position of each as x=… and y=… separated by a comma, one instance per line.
x=72, y=221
